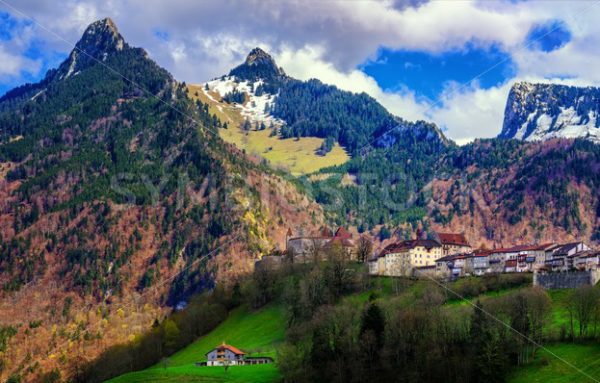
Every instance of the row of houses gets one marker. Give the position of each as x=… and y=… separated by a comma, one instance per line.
x=404, y=257
x=450, y=255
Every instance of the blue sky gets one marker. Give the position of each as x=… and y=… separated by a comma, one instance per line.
x=428, y=74
x=35, y=55
x=448, y=62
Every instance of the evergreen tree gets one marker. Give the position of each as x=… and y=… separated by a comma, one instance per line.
x=246, y=126
x=373, y=320
x=489, y=358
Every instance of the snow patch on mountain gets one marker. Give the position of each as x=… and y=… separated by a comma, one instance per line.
x=537, y=112
x=256, y=108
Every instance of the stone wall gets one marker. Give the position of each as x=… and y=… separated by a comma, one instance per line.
x=565, y=280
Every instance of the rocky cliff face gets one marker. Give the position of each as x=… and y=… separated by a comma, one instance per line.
x=259, y=65
x=544, y=111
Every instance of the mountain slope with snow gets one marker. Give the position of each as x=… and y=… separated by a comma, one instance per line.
x=537, y=112
x=264, y=94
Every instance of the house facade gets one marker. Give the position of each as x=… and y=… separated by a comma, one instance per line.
x=587, y=260
x=401, y=258
x=478, y=263
x=451, y=266
x=452, y=243
x=225, y=354
x=564, y=257
x=312, y=248
x=424, y=257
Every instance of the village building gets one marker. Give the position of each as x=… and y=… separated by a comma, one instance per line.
x=520, y=258
x=377, y=265
x=303, y=246
x=452, y=243
x=478, y=263
x=225, y=354
x=563, y=257
x=451, y=266
x=307, y=248
x=343, y=239
x=587, y=260
x=402, y=258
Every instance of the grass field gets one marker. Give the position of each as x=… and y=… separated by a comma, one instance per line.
x=296, y=156
x=260, y=332
x=547, y=368
x=265, y=373
x=255, y=332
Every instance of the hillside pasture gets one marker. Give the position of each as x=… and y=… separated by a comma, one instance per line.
x=298, y=156
x=254, y=332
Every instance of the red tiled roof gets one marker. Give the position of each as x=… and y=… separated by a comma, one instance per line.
x=452, y=239
x=427, y=243
x=224, y=346
x=395, y=247
x=345, y=242
x=342, y=233
x=517, y=248
x=398, y=247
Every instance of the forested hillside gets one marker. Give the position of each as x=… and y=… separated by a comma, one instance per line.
x=313, y=109
x=117, y=201
x=402, y=175
x=506, y=191
x=499, y=192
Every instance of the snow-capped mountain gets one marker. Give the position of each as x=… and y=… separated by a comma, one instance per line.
x=256, y=104
x=252, y=87
x=264, y=94
x=536, y=112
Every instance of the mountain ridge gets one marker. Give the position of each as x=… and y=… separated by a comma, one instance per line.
x=538, y=111
x=312, y=108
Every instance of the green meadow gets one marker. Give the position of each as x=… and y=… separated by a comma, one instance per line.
x=256, y=332
x=561, y=363
x=260, y=332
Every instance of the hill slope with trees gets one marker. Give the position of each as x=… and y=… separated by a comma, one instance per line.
x=118, y=201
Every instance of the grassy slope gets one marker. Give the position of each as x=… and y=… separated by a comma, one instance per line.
x=296, y=155
x=549, y=368
x=257, y=333
x=546, y=368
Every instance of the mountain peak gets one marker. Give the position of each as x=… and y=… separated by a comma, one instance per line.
x=258, y=56
x=99, y=40
x=540, y=111
x=258, y=65
x=101, y=36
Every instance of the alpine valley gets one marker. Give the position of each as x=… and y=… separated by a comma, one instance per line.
x=124, y=192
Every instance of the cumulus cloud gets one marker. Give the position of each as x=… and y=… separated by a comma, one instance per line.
x=14, y=65
x=309, y=62
x=464, y=113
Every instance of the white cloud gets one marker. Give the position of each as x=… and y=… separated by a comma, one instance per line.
x=13, y=65
x=308, y=63
x=471, y=112
x=464, y=113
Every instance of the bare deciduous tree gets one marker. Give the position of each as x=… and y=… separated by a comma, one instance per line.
x=364, y=249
